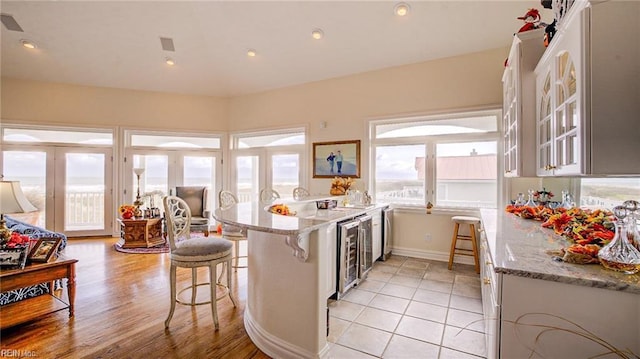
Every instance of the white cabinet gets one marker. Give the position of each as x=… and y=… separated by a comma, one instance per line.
x=376, y=234
x=491, y=285
x=519, y=109
x=331, y=243
x=588, y=93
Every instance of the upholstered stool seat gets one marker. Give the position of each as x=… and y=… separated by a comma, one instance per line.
x=201, y=249
x=472, y=222
x=189, y=252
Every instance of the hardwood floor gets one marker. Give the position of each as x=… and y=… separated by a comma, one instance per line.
x=122, y=301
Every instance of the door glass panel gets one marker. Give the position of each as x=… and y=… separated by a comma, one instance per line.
x=84, y=191
x=247, y=178
x=200, y=171
x=285, y=174
x=155, y=176
x=33, y=180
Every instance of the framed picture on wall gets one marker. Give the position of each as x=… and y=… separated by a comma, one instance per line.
x=336, y=159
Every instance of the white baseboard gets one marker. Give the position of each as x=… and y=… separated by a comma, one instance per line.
x=274, y=346
x=431, y=255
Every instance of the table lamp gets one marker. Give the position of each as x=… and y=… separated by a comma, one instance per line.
x=138, y=202
x=12, y=200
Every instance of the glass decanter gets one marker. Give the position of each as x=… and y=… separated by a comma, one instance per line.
x=633, y=208
x=620, y=255
x=530, y=201
x=567, y=201
x=519, y=202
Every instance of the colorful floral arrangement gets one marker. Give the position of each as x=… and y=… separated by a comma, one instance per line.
x=282, y=209
x=16, y=240
x=587, y=230
x=339, y=186
x=127, y=211
x=542, y=196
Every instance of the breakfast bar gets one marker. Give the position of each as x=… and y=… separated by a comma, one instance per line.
x=289, y=264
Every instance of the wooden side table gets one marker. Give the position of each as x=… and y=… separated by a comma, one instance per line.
x=137, y=233
x=36, y=273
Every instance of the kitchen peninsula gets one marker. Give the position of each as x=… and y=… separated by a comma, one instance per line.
x=536, y=306
x=289, y=267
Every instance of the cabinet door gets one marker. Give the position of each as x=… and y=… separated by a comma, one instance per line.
x=568, y=97
x=510, y=125
x=331, y=241
x=560, y=92
x=544, y=139
x=376, y=234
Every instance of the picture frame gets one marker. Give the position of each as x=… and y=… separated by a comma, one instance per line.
x=13, y=258
x=44, y=250
x=326, y=157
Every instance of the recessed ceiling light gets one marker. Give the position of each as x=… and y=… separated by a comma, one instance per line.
x=28, y=44
x=317, y=34
x=401, y=9
x=251, y=53
x=169, y=61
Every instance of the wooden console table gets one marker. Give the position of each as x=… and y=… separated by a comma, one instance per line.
x=36, y=273
x=137, y=233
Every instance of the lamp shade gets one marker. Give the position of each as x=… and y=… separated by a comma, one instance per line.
x=138, y=171
x=12, y=199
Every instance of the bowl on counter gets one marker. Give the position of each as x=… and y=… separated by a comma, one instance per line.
x=326, y=204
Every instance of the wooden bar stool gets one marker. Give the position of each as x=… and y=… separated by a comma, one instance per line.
x=471, y=221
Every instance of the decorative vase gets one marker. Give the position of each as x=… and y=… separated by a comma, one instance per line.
x=620, y=255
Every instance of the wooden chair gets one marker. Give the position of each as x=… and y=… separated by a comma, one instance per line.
x=472, y=222
x=188, y=252
x=232, y=233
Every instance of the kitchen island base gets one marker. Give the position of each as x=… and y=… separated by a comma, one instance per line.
x=286, y=303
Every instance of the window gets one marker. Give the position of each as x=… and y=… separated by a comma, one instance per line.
x=448, y=160
x=608, y=192
x=171, y=159
x=268, y=159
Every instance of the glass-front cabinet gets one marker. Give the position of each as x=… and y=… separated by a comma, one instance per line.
x=518, y=84
x=587, y=93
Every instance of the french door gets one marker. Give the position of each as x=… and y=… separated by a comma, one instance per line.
x=71, y=186
x=255, y=169
x=166, y=169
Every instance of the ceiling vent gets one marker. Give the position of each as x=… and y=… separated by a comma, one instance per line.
x=167, y=44
x=10, y=23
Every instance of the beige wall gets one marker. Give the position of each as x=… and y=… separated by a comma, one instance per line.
x=54, y=103
x=346, y=103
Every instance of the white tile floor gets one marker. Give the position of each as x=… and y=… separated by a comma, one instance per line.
x=410, y=308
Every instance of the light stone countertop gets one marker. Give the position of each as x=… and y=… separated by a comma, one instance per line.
x=518, y=247
x=255, y=216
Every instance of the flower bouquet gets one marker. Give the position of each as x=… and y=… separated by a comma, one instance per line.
x=127, y=211
x=339, y=186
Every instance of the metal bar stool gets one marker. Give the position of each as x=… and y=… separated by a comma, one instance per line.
x=471, y=221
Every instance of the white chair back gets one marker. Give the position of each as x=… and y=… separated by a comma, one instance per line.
x=269, y=195
x=300, y=193
x=226, y=199
x=178, y=218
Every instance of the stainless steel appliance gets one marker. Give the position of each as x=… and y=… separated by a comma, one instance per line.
x=355, y=255
x=387, y=232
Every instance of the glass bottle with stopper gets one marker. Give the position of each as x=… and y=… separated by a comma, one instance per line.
x=530, y=201
x=620, y=255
